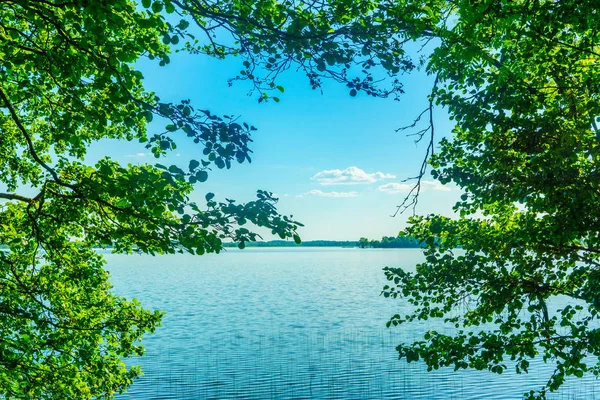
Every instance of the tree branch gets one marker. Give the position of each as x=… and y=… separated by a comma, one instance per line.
x=13, y=196
x=412, y=198
x=32, y=151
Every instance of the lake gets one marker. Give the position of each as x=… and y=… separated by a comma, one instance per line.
x=292, y=323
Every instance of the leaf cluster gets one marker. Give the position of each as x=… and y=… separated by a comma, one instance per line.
x=68, y=79
x=520, y=81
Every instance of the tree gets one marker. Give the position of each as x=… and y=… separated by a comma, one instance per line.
x=363, y=242
x=521, y=81
x=389, y=242
x=67, y=80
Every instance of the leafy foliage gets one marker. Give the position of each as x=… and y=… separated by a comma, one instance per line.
x=67, y=79
x=520, y=79
x=357, y=43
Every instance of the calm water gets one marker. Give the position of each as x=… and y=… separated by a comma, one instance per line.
x=292, y=324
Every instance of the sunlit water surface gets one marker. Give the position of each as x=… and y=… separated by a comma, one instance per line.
x=293, y=323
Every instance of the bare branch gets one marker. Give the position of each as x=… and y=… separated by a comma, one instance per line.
x=412, y=198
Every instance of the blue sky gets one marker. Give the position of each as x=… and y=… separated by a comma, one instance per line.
x=335, y=161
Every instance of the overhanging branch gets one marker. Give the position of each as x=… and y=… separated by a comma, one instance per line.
x=14, y=196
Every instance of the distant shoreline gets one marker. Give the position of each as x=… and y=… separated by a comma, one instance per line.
x=385, y=243
x=286, y=243
x=322, y=243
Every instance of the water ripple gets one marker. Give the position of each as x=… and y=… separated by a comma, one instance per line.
x=292, y=324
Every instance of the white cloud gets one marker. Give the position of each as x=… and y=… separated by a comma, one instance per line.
x=349, y=176
x=395, y=188
x=332, y=194
x=136, y=155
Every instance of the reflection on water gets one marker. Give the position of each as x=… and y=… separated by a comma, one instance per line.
x=292, y=324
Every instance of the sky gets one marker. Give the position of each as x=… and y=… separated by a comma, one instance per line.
x=336, y=162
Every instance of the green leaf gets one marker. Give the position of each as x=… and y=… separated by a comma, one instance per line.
x=157, y=6
x=194, y=164
x=202, y=176
x=148, y=115
x=174, y=169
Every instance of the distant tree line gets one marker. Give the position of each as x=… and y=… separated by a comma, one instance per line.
x=389, y=242
x=386, y=242
x=309, y=243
